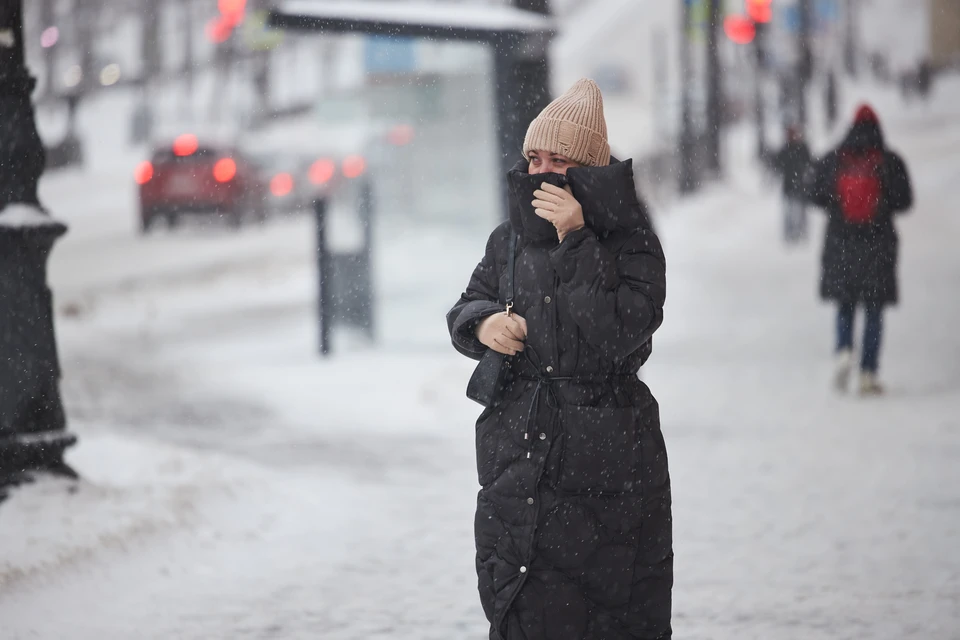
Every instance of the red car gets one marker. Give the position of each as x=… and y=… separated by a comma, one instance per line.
x=189, y=178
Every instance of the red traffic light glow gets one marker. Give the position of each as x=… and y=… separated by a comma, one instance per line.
x=218, y=30
x=224, y=170
x=354, y=166
x=400, y=135
x=760, y=10
x=739, y=29
x=232, y=10
x=143, y=173
x=185, y=145
x=281, y=184
x=321, y=171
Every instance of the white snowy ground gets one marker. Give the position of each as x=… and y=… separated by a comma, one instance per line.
x=235, y=486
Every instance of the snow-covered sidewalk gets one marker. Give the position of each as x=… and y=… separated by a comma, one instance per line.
x=238, y=487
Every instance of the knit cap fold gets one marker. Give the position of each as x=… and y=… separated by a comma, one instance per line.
x=572, y=125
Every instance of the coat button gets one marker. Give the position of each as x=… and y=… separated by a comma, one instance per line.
x=549, y=369
x=543, y=436
x=547, y=300
x=529, y=500
x=523, y=569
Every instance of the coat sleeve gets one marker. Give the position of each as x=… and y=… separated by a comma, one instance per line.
x=481, y=299
x=822, y=187
x=616, y=300
x=899, y=189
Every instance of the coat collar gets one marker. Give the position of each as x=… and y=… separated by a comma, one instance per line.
x=608, y=196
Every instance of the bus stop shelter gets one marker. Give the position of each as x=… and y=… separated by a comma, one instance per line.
x=518, y=38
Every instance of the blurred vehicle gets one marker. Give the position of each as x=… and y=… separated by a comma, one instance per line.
x=190, y=178
x=288, y=187
x=296, y=179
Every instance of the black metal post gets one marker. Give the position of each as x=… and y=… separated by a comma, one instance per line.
x=324, y=276
x=33, y=433
x=804, y=63
x=850, y=37
x=47, y=20
x=522, y=91
x=830, y=98
x=687, y=147
x=715, y=100
x=522, y=82
x=366, y=256
x=761, y=66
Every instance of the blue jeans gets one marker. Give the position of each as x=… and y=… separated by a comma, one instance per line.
x=872, y=332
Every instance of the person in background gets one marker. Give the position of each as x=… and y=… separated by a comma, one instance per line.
x=861, y=185
x=792, y=162
x=573, y=523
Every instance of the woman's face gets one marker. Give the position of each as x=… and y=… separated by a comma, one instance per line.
x=548, y=162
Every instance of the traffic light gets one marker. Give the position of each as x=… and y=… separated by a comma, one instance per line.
x=760, y=11
x=232, y=11
x=739, y=29
x=232, y=14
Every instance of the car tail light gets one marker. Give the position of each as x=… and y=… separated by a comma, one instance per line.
x=400, y=135
x=143, y=173
x=281, y=184
x=354, y=166
x=322, y=171
x=224, y=170
x=185, y=145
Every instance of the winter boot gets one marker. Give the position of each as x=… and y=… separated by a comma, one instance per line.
x=843, y=366
x=869, y=385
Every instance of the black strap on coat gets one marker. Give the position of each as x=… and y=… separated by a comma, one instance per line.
x=511, y=267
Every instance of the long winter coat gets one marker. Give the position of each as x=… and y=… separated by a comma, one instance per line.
x=792, y=162
x=859, y=260
x=573, y=523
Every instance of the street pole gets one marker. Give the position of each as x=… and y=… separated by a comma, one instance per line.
x=687, y=169
x=150, y=67
x=33, y=433
x=805, y=63
x=324, y=276
x=761, y=66
x=522, y=86
x=47, y=20
x=850, y=37
x=187, y=21
x=715, y=101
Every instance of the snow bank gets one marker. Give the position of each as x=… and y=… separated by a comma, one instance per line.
x=19, y=215
x=131, y=490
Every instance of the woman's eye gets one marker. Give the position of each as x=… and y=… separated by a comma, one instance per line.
x=559, y=161
x=535, y=160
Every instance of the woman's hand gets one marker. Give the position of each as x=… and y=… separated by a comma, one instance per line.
x=503, y=333
x=559, y=207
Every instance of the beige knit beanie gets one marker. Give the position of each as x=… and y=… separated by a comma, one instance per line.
x=572, y=125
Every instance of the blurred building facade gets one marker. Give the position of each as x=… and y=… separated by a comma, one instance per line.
x=944, y=20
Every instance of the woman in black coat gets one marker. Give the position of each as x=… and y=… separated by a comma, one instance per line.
x=573, y=522
x=792, y=162
x=861, y=185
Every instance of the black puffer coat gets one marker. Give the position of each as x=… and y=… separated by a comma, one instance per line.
x=859, y=261
x=573, y=522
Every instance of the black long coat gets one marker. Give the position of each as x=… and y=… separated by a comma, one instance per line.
x=573, y=522
x=859, y=261
x=792, y=162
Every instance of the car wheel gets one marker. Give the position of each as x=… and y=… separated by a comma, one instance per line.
x=147, y=222
x=235, y=219
x=173, y=220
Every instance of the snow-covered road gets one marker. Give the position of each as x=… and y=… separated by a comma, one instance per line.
x=237, y=487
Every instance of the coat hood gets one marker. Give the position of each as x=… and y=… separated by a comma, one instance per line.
x=866, y=132
x=607, y=194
